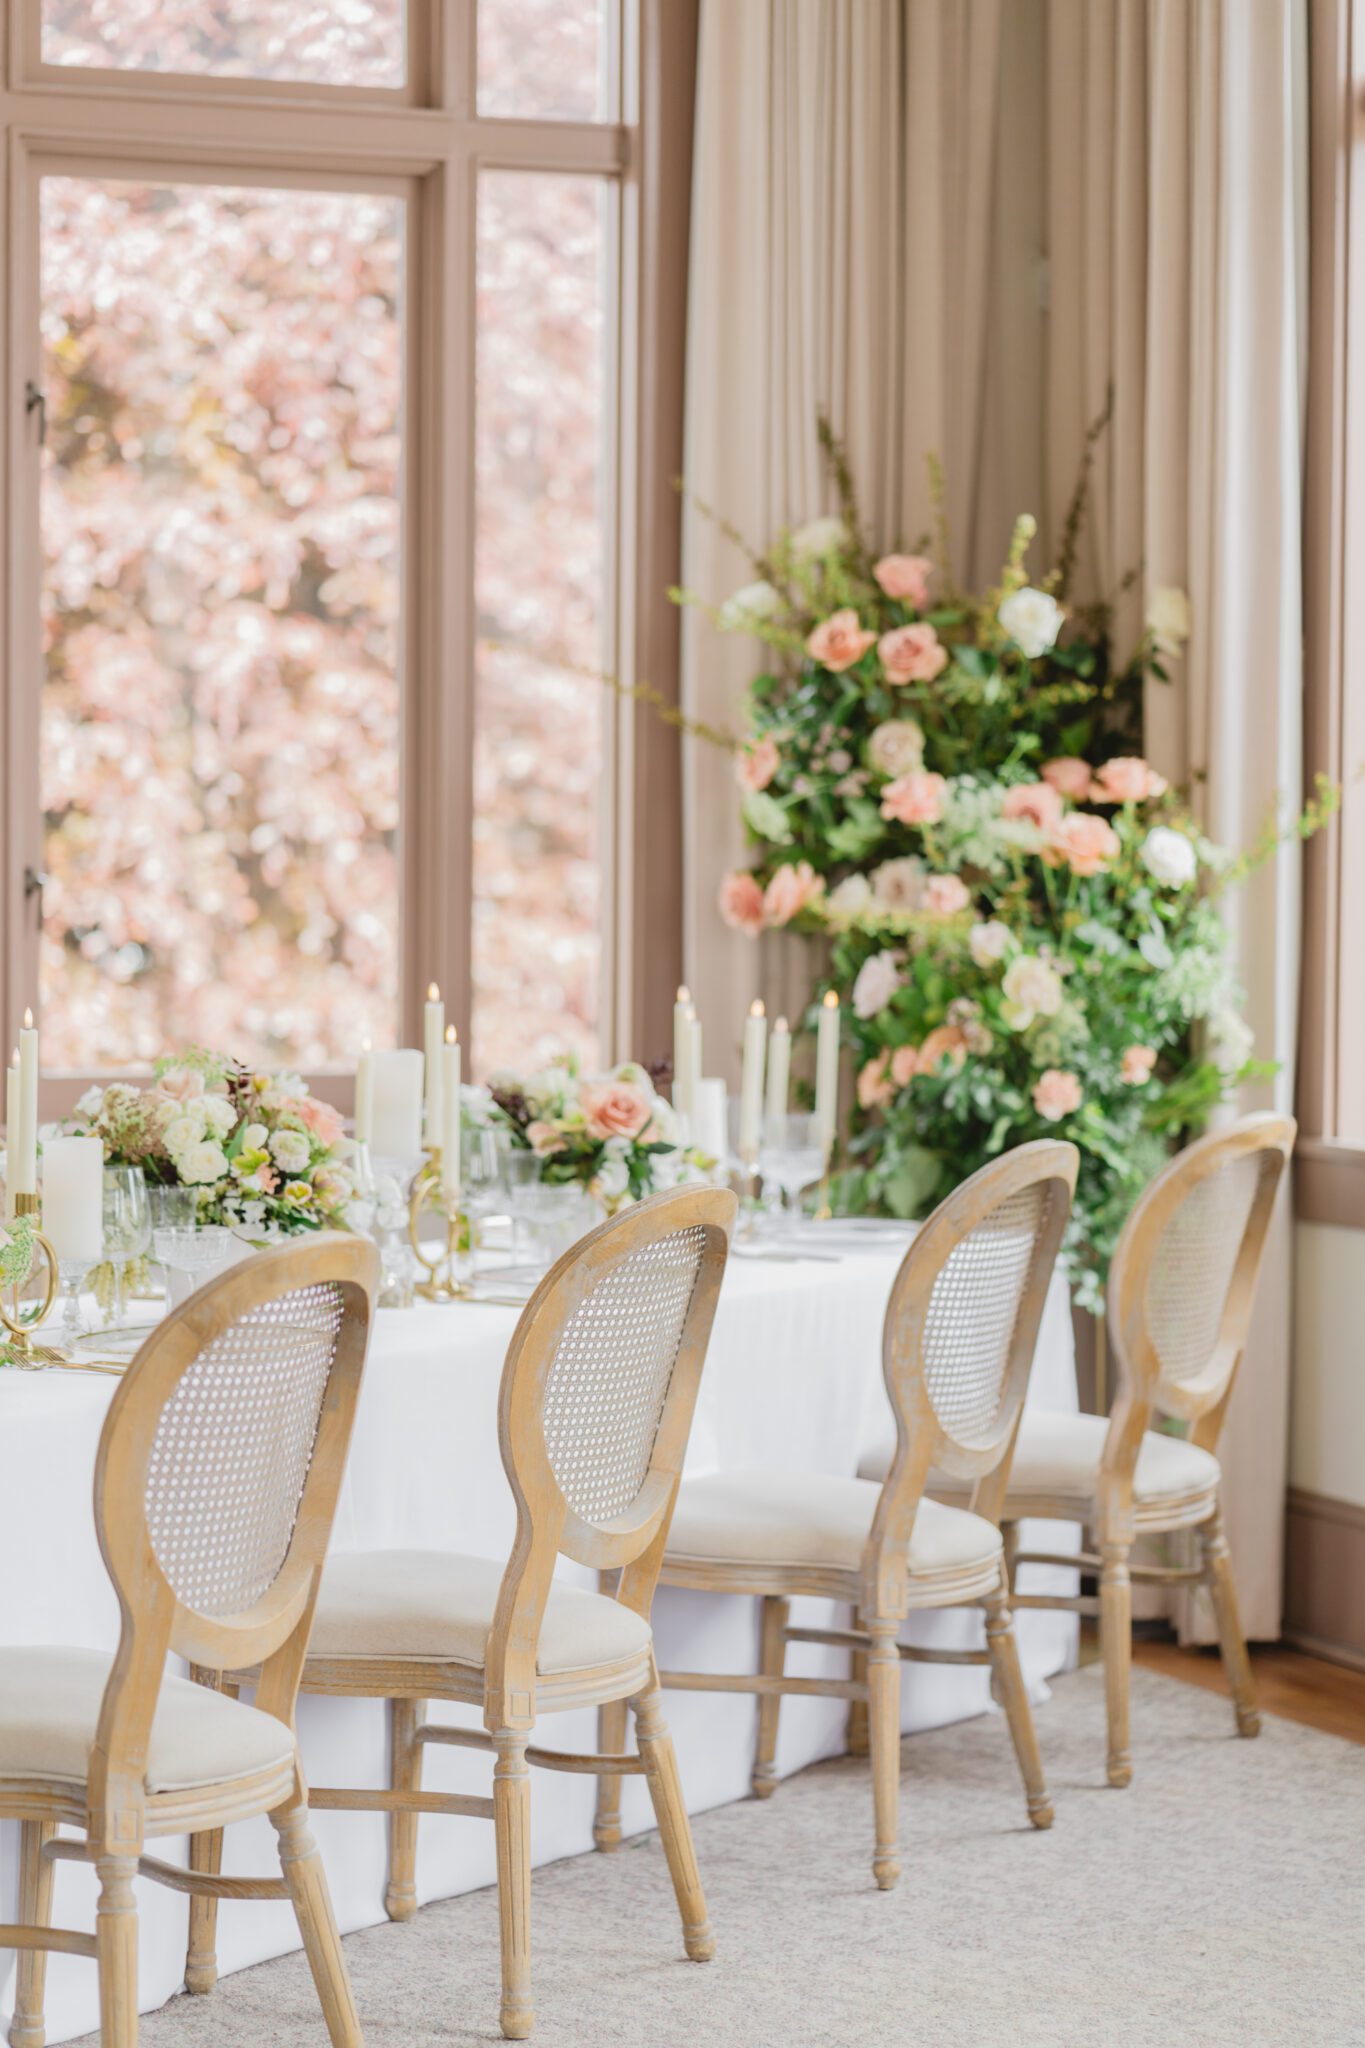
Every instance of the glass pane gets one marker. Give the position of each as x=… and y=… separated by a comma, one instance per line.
x=544, y=60
x=540, y=550
x=320, y=42
x=220, y=706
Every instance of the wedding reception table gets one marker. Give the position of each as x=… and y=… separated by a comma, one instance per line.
x=793, y=1381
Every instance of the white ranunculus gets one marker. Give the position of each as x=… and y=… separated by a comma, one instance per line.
x=290, y=1151
x=988, y=943
x=1031, y=989
x=749, y=607
x=899, y=884
x=1169, y=857
x=850, y=899
x=203, y=1164
x=818, y=537
x=878, y=979
x=896, y=748
x=1169, y=618
x=1032, y=619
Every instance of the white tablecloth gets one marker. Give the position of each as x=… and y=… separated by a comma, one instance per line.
x=793, y=1381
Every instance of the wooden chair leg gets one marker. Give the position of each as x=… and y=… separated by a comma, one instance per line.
x=675, y=1830
x=201, y=1958
x=611, y=1741
x=1116, y=1645
x=512, y=1820
x=116, y=1950
x=405, y=1775
x=855, y=1737
x=884, y=1735
x=36, y=1871
x=771, y=1662
x=1010, y=1690
x=1216, y=1561
x=307, y=1881
x=1010, y=1534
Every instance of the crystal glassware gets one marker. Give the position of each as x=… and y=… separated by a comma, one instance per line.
x=191, y=1256
x=480, y=1182
x=127, y=1229
x=790, y=1158
x=73, y=1272
x=518, y=1170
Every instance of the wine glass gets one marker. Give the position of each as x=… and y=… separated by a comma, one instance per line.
x=480, y=1182
x=518, y=1170
x=790, y=1157
x=127, y=1230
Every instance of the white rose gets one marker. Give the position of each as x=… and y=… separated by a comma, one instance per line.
x=988, y=943
x=878, y=979
x=749, y=607
x=611, y=1180
x=218, y=1115
x=290, y=1151
x=181, y=1135
x=850, y=899
x=1169, y=857
x=1032, y=989
x=819, y=537
x=899, y=884
x=203, y=1164
x=255, y=1138
x=1169, y=618
x=1032, y=619
x=896, y=748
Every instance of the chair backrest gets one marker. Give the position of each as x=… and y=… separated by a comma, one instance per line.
x=597, y=1397
x=959, y=1336
x=1183, y=1279
x=217, y=1477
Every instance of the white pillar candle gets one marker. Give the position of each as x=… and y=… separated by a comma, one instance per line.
x=11, y=1130
x=692, y=1056
x=751, y=1083
x=779, y=1069
x=450, y=1114
x=73, y=1198
x=23, y=1158
x=396, y=1104
x=827, y=1073
x=433, y=1030
x=708, y=1119
x=364, y=1094
x=682, y=1067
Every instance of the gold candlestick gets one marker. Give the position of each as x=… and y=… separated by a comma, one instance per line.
x=20, y=1325
x=427, y=1193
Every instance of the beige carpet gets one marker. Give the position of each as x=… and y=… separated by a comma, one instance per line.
x=1221, y=1900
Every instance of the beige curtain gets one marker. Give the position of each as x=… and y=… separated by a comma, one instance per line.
x=1177, y=229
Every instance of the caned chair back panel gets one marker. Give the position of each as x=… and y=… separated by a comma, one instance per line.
x=1183, y=1281
x=218, y=1472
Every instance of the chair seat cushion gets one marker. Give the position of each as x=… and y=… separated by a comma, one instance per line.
x=1058, y=1457
x=816, y=1519
x=439, y=1605
x=50, y=1704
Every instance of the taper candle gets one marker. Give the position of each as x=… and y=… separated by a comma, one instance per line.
x=11, y=1130
x=751, y=1083
x=827, y=1072
x=779, y=1069
x=450, y=1114
x=682, y=1066
x=692, y=1055
x=433, y=1033
x=364, y=1093
x=24, y=1152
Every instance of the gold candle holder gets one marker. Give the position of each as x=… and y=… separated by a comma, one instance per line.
x=20, y=1326
x=427, y=1193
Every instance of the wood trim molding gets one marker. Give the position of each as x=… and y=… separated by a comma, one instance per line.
x=1329, y=1183
x=1324, y=1588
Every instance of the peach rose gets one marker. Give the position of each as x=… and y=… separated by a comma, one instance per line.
x=790, y=891
x=912, y=654
x=1038, y=803
x=543, y=1139
x=321, y=1119
x=946, y=895
x=874, y=1089
x=1126, y=779
x=915, y=799
x=614, y=1109
x=180, y=1084
x=1084, y=842
x=741, y=902
x=756, y=764
x=904, y=1064
x=1069, y=777
x=839, y=641
x=1056, y=1094
x=904, y=578
x=947, y=1042
x=1136, y=1065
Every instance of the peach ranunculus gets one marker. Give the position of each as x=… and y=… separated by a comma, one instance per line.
x=1037, y=803
x=1056, y=1093
x=839, y=641
x=756, y=764
x=915, y=799
x=1127, y=779
x=1136, y=1065
x=180, y=1084
x=946, y=1042
x=1083, y=842
x=904, y=578
x=615, y=1109
x=1069, y=776
x=321, y=1119
x=912, y=654
x=790, y=891
x=904, y=1064
x=946, y=895
x=874, y=1086
x=741, y=902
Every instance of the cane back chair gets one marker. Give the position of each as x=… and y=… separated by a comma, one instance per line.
x=595, y=1408
x=215, y=1487
x=957, y=1346
x=1182, y=1287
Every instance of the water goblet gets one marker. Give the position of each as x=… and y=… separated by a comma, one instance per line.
x=73, y=1272
x=127, y=1230
x=518, y=1170
x=480, y=1182
x=790, y=1158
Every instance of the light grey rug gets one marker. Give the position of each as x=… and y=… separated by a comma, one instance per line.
x=1220, y=1900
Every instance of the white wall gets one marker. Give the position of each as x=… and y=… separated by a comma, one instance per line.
x=1327, y=1412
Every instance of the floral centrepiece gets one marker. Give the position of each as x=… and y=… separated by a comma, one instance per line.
x=258, y=1148
x=612, y=1134
x=1023, y=917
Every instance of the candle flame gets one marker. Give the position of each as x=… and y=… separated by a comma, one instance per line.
x=831, y=999
x=684, y=994
x=366, y=1045
x=433, y=993
x=28, y=1020
x=452, y=1035
x=756, y=1007
x=782, y=1025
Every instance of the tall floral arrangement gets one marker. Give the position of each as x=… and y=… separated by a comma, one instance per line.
x=1023, y=918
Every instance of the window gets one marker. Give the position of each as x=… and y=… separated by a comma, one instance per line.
x=318, y=475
